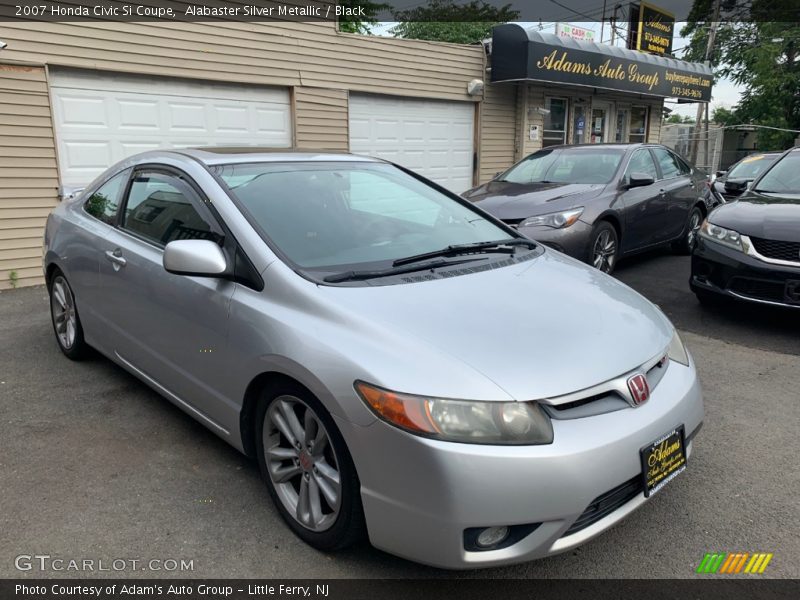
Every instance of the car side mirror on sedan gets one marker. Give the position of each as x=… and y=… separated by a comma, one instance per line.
x=721, y=173
x=639, y=180
x=200, y=258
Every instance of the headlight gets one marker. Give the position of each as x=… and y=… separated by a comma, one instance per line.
x=677, y=351
x=557, y=220
x=726, y=237
x=516, y=423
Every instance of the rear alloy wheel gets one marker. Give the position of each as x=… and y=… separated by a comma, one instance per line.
x=688, y=241
x=66, y=322
x=604, y=247
x=308, y=471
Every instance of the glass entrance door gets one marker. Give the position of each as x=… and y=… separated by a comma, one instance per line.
x=580, y=122
x=599, y=126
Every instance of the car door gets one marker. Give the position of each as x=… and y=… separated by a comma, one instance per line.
x=95, y=216
x=680, y=191
x=170, y=328
x=643, y=206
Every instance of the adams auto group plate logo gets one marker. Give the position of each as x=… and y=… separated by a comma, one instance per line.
x=731, y=563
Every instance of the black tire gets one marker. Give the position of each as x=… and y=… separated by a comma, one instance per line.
x=603, y=250
x=686, y=243
x=65, y=318
x=348, y=527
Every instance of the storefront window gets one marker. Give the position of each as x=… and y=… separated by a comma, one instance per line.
x=638, y=129
x=555, y=122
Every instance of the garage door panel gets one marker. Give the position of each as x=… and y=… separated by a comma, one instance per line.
x=102, y=118
x=430, y=137
x=80, y=111
x=138, y=114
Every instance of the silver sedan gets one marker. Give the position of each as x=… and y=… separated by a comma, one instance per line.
x=402, y=365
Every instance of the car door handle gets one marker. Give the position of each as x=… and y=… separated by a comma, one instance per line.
x=116, y=258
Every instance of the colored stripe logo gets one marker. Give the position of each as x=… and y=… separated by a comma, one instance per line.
x=734, y=562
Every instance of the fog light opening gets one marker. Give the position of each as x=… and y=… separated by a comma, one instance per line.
x=482, y=539
x=491, y=536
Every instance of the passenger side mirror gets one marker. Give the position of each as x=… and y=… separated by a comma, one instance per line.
x=639, y=180
x=201, y=258
x=721, y=173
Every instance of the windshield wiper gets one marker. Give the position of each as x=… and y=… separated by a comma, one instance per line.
x=506, y=245
x=374, y=274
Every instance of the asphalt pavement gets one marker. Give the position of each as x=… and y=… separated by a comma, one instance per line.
x=94, y=465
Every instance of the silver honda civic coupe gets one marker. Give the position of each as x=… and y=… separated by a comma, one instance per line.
x=401, y=364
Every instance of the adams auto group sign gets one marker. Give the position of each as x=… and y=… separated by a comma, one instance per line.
x=519, y=54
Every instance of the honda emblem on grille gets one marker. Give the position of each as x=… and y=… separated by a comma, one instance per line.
x=639, y=388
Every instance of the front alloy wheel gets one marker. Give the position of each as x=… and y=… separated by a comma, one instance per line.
x=604, y=248
x=302, y=463
x=686, y=244
x=307, y=468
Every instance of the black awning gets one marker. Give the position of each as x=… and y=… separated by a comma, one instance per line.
x=520, y=54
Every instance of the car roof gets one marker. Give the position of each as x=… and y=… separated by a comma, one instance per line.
x=249, y=154
x=621, y=145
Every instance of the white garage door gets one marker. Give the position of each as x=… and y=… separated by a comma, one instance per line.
x=433, y=138
x=101, y=118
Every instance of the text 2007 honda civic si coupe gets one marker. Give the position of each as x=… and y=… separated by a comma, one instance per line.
x=402, y=365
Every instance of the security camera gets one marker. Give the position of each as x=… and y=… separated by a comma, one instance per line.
x=2, y=44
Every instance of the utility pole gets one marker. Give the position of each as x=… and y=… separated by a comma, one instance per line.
x=712, y=34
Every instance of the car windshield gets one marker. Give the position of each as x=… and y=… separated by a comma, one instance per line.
x=344, y=215
x=566, y=165
x=752, y=166
x=783, y=177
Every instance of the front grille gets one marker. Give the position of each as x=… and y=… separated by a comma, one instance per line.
x=789, y=251
x=759, y=289
x=513, y=222
x=607, y=503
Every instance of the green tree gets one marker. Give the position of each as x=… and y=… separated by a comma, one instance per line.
x=360, y=24
x=674, y=118
x=758, y=49
x=446, y=21
x=724, y=116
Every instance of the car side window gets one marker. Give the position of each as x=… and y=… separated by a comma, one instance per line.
x=642, y=162
x=103, y=204
x=161, y=209
x=683, y=165
x=668, y=163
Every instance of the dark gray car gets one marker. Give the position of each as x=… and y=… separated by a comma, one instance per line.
x=600, y=202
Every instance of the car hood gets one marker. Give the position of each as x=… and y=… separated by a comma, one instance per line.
x=760, y=215
x=538, y=329
x=506, y=200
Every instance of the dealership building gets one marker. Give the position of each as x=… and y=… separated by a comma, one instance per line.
x=75, y=97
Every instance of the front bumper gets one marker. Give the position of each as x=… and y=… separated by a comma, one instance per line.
x=728, y=272
x=572, y=240
x=420, y=495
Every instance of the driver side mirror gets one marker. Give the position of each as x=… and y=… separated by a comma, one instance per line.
x=200, y=258
x=639, y=180
x=721, y=173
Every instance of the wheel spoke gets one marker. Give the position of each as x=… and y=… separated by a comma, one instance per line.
x=330, y=492
x=311, y=427
x=278, y=453
x=70, y=332
x=282, y=474
x=303, y=504
x=315, y=501
x=328, y=472
x=58, y=294
x=291, y=420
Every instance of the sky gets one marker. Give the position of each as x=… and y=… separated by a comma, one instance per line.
x=724, y=94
